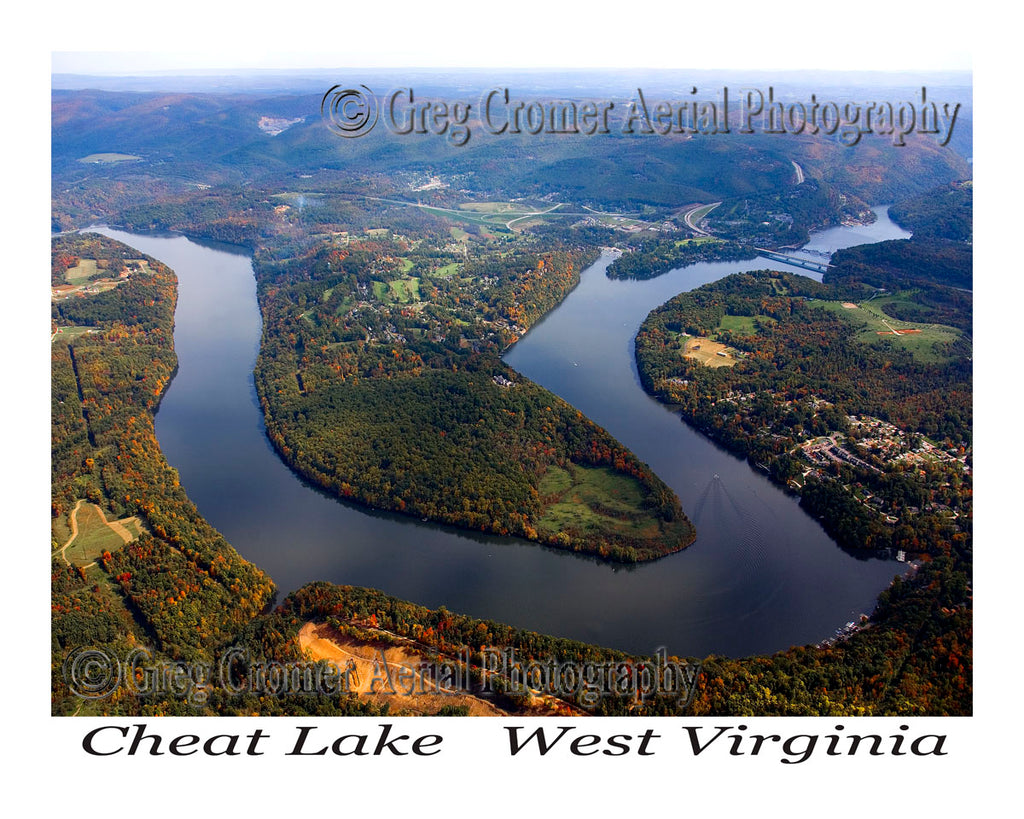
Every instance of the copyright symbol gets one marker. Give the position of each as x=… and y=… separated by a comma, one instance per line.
x=349, y=112
x=91, y=673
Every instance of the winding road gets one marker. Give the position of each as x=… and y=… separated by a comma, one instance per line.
x=688, y=217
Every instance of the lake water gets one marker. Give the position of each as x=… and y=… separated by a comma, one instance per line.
x=761, y=576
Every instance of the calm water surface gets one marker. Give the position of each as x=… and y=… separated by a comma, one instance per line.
x=761, y=576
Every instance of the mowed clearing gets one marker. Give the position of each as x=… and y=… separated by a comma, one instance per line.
x=90, y=276
x=89, y=269
x=74, y=331
x=92, y=534
x=492, y=207
x=398, y=291
x=745, y=325
x=917, y=338
x=82, y=272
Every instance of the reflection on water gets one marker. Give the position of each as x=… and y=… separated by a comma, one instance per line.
x=761, y=576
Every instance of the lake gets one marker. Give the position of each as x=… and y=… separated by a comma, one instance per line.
x=761, y=576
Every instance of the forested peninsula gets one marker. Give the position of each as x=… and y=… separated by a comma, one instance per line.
x=381, y=381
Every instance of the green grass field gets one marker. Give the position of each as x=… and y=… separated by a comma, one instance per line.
x=877, y=327
x=743, y=325
x=398, y=291
x=555, y=481
x=621, y=221
x=492, y=220
x=94, y=536
x=492, y=207
x=81, y=273
x=524, y=224
x=73, y=332
x=60, y=529
x=697, y=240
x=592, y=501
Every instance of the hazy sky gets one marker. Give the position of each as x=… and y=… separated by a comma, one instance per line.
x=870, y=35
x=120, y=63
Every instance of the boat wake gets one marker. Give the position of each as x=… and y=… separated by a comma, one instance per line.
x=737, y=523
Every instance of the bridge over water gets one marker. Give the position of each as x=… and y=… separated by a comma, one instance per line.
x=807, y=264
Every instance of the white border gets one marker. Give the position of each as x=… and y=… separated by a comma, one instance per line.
x=43, y=752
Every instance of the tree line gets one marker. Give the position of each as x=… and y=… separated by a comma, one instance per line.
x=179, y=585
